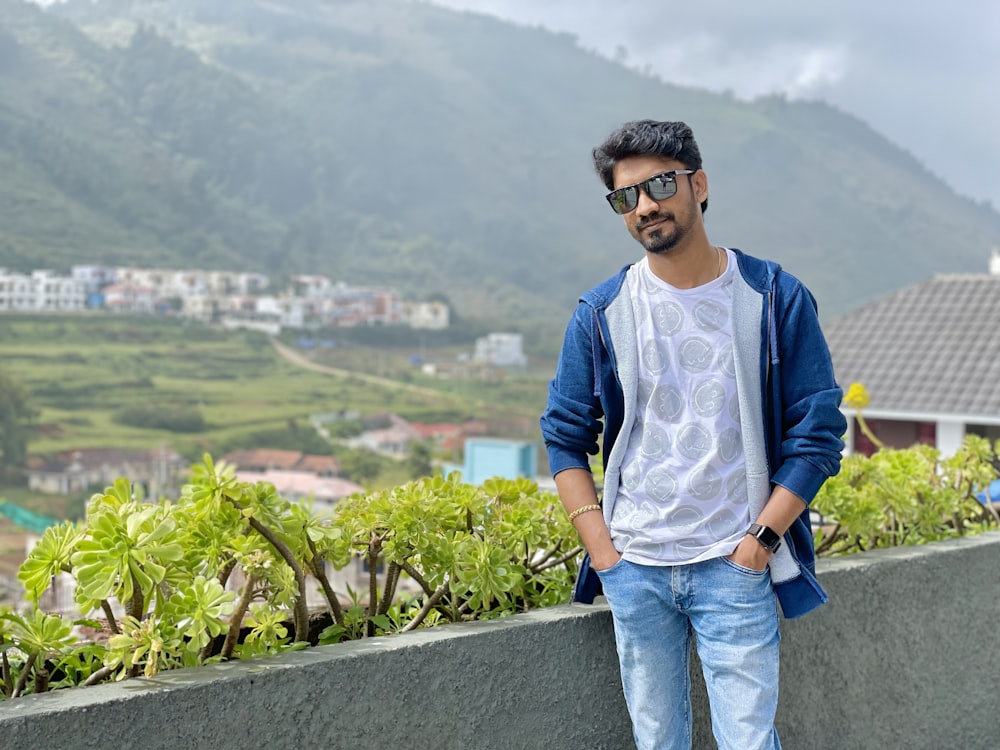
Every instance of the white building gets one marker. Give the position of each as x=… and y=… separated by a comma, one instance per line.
x=15, y=291
x=232, y=299
x=158, y=279
x=232, y=282
x=42, y=290
x=201, y=307
x=312, y=286
x=172, y=283
x=94, y=278
x=501, y=350
x=428, y=316
x=236, y=312
x=289, y=311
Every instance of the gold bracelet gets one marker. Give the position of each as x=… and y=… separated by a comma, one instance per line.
x=581, y=510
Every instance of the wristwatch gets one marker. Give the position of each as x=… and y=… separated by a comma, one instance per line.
x=768, y=538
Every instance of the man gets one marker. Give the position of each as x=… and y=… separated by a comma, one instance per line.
x=721, y=421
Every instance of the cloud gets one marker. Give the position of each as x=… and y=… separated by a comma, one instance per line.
x=923, y=74
x=796, y=69
x=817, y=69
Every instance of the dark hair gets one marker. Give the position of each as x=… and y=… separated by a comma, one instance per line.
x=672, y=140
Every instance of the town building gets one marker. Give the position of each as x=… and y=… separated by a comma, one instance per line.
x=428, y=316
x=486, y=458
x=170, y=283
x=94, y=278
x=234, y=300
x=41, y=290
x=501, y=350
x=387, y=434
x=267, y=459
x=156, y=472
x=129, y=298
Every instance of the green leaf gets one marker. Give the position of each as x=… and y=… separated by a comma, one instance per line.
x=48, y=558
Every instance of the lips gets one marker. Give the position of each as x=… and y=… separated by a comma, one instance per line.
x=654, y=223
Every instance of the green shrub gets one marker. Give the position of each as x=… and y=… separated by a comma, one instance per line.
x=292, y=437
x=151, y=417
x=473, y=551
x=903, y=497
x=347, y=428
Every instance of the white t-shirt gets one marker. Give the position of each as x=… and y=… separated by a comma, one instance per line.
x=682, y=496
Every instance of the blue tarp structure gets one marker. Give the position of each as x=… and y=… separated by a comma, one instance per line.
x=994, y=493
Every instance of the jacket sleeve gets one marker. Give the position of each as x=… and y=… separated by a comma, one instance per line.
x=811, y=426
x=571, y=422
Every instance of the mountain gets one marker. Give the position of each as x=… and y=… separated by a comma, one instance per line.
x=397, y=143
x=84, y=180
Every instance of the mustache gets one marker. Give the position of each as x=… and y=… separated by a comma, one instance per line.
x=653, y=218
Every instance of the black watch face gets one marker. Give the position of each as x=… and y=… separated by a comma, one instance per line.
x=768, y=538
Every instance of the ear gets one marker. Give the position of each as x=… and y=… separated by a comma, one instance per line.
x=699, y=185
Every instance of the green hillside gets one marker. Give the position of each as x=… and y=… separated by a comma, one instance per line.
x=397, y=143
x=92, y=180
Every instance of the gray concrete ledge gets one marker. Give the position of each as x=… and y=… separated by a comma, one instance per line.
x=903, y=656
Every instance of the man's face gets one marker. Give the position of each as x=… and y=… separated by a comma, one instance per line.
x=659, y=226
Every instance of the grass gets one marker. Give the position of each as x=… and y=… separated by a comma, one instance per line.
x=82, y=370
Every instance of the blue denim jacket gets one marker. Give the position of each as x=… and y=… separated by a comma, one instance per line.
x=784, y=375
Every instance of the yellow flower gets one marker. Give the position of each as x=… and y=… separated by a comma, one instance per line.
x=857, y=396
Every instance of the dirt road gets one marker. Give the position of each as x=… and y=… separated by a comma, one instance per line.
x=300, y=360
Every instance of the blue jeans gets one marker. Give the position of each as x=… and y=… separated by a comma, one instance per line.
x=733, y=614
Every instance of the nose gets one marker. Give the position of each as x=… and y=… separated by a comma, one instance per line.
x=646, y=205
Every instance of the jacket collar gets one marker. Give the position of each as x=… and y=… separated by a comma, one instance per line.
x=759, y=274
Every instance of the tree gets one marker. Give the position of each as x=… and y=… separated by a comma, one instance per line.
x=360, y=465
x=17, y=416
x=418, y=459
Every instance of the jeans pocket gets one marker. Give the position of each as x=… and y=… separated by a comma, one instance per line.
x=612, y=570
x=745, y=571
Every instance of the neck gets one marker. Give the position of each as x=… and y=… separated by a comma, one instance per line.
x=690, y=266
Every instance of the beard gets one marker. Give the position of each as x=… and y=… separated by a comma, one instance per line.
x=664, y=238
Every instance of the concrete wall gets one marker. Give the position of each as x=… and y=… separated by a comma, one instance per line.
x=904, y=656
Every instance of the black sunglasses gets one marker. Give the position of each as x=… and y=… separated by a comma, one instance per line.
x=658, y=187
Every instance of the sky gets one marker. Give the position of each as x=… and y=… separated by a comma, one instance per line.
x=924, y=74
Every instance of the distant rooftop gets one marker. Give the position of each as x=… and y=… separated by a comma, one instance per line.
x=930, y=348
x=263, y=459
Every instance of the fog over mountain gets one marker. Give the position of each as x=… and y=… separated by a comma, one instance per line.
x=924, y=74
x=440, y=152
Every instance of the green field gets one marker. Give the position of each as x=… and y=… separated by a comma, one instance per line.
x=84, y=372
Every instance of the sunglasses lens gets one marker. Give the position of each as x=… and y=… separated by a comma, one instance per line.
x=661, y=187
x=624, y=200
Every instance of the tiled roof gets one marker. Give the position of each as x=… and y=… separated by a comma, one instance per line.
x=931, y=348
x=318, y=464
x=263, y=459
x=445, y=429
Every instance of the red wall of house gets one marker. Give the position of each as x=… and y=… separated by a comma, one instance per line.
x=894, y=434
